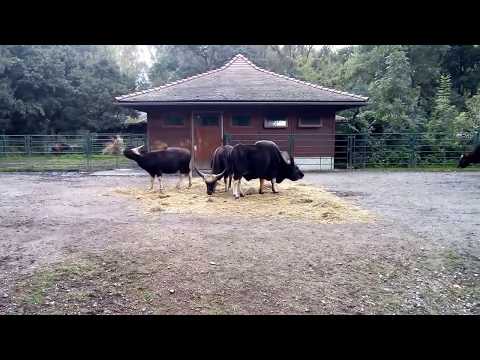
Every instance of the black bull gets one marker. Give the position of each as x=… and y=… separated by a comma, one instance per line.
x=470, y=158
x=220, y=167
x=263, y=161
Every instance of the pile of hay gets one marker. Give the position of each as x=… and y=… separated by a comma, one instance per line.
x=296, y=200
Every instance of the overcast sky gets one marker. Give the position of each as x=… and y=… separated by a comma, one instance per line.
x=145, y=54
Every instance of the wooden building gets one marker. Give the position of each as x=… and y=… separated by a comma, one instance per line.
x=243, y=103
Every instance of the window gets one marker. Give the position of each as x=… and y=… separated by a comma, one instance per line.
x=240, y=120
x=310, y=121
x=208, y=120
x=174, y=120
x=275, y=122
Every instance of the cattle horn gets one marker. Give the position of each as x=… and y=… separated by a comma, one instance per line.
x=137, y=149
x=286, y=157
x=200, y=173
x=219, y=176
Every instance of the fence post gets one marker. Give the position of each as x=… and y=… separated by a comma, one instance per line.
x=350, y=140
x=365, y=149
x=28, y=148
x=88, y=150
x=291, y=145
x=226, y=139
x=4, y=145
x=412, y=162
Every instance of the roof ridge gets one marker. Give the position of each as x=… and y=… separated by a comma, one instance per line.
x=301, y=81
x=181, y=81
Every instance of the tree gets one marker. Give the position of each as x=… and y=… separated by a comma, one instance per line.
x=469, y=120
x=462, y=62
x=444, y=112
x=384, y=73
x=60, y=88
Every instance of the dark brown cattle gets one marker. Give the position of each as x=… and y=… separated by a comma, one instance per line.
x=470, y=158
x=220, y=165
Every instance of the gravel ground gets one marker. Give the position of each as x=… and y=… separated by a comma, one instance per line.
x=69, y=244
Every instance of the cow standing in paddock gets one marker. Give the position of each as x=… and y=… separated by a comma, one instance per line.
x=470, y=158
x=157, y=163
x=263, y=161
x=221, y=167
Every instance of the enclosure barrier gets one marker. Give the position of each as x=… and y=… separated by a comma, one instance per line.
x=361, y=151
x=315, y=151
x=64, y=152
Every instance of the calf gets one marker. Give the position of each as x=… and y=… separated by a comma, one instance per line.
x=220, y=167
x=263, y=161
x=157, y=163
x=470, y=158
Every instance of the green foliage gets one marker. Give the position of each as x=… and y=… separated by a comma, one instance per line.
x=52, y=89
x=444, y=112
x=469, y=120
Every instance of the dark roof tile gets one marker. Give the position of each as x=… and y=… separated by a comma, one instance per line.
x=237, y=81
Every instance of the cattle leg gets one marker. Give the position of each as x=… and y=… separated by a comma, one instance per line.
x=240, y=189
x=225, y=181
x=230, y=182
x=152, y=179
x=179, y=181
x=190, y=179
x=260, y=191
x=236, y=189
x=161, y=183
x=273, y=187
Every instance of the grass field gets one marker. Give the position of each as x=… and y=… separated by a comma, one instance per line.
x=64, y=162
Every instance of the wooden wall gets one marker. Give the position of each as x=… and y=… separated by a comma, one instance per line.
x=309, y=142
x=159, y=132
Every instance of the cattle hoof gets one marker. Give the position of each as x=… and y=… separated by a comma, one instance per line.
x=260, y=191
x=242, y=195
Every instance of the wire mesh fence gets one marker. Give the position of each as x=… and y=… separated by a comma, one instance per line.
x=357, y=151
x=66, y=152
x=319, y=151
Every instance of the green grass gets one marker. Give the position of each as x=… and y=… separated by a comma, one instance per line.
x=79, y=162
x=34, y=289
x=64, y=162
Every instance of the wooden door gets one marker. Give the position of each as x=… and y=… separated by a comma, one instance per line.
x=207, y=136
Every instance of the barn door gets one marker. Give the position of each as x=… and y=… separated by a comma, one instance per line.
x=207, y=136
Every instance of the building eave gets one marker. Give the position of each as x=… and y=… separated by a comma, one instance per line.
x=200, y=103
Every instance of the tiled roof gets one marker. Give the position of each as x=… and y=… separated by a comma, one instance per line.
x=240, y=81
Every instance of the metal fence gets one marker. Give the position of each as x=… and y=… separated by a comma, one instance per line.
x=356, y=151
x=350, y=151
x=82, y=153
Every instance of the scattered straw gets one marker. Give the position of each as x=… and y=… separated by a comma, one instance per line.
x=296, y=200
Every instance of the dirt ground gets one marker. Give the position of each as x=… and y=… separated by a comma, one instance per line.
x=70, y=245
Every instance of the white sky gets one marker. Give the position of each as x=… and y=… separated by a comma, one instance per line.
x=145, y=54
